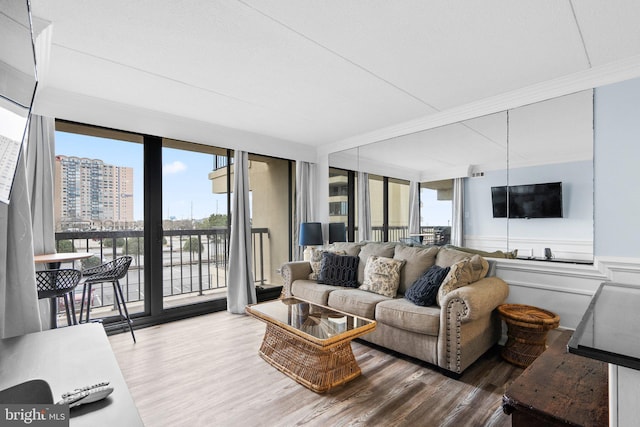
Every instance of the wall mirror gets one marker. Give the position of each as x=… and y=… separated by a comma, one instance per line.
x=545, y=142
x=17, y=84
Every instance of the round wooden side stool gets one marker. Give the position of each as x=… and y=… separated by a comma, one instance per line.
x=527, y=328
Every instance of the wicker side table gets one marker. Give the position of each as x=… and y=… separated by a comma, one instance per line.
x=527, y=328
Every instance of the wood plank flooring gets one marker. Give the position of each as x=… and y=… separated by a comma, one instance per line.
x=206, y=371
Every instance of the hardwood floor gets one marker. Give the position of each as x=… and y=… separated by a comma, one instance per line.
x=206, y=371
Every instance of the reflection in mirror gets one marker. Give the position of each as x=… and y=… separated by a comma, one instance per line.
x=550, y=141
x=17, y=85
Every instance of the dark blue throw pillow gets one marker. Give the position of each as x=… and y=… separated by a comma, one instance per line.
x=424, y=290
x=339, y=270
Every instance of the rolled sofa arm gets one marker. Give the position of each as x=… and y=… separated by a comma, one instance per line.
x=479, y=298
x=292, y=271
x=467, y=326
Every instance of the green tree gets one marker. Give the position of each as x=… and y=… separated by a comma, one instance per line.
x=191, y=245
x=134, y=246
x=108, y=242
x=94, y=261
x=66, y=246
x=215, y=220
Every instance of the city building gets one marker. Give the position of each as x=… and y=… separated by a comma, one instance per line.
x=89, y=194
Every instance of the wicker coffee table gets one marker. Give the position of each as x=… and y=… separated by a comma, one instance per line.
x=310, y=343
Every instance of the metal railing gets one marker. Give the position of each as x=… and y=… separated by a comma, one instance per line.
x=193, y=261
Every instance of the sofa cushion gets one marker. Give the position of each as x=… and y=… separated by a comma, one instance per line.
x=417, y=261
x=462, y=273
x=382, y=275
x=380, y=249
x=403, y=314
x=310, y=290
x=447, y=256
x=495, y=254
x=351, y=248
x=339, y=270
x=316, y=260
x=355, y=301
x=423, y=292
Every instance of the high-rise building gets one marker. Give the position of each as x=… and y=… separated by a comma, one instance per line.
x=91, y=194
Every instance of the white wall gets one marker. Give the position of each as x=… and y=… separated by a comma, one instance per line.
x=617, y=170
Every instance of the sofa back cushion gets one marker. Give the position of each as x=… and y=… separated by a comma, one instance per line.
x=417, y=261
x=339, y=270
x=350, y=248
x=379, y=249
x=447, y=256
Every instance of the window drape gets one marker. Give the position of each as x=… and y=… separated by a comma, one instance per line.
x=457, y=229
x=414, y=207
x=241, y=289
x=364, y=207
x=28, y=226
x=41, y=174
x=305, y=196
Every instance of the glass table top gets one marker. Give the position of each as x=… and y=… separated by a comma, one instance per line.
x=608, y=330
x=317, y=321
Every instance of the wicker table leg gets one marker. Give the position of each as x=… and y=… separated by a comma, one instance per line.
x=318, y=369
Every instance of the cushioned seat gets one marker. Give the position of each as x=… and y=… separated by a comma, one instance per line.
x=309, y=290
x=355, y=301
x=404, y=314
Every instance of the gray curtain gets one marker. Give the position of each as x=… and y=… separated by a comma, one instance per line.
x=457, y=226
x=414, y=207
x=40, y=176
x=19, y=309
x=364, y=207
x=305, y=189
x=241, y=289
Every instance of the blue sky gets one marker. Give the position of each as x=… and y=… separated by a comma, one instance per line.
x=186, y=186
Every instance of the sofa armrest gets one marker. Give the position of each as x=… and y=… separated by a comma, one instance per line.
x=468, y=324
x=292, y=271
x=479, y=298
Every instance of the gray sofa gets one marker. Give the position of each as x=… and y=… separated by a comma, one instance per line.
x=451, y=335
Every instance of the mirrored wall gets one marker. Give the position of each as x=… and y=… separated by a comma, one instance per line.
x=549, y=142
x=17, y=85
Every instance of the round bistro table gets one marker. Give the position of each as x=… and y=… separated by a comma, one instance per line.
x=527, y=328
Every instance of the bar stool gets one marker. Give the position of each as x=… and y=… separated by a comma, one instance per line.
x=112, y=272
x=59, y=283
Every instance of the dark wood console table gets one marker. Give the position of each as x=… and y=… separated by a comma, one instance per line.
x=559, y=389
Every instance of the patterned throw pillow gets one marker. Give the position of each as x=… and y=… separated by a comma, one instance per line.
x=463, y=273
x=424, y=290
x=339, y=270
x=316, y=261
x=382, y=275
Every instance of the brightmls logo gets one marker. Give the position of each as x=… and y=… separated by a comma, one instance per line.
x=34, y=415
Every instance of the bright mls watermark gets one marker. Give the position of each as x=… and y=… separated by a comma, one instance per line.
x=41, y=415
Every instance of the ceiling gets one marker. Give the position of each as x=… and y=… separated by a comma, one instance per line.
x=322, y=74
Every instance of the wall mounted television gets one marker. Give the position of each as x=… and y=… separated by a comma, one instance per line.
x=528, y=201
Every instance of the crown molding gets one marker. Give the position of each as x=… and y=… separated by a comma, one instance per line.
x=593, y=77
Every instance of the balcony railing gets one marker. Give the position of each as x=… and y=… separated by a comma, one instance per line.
x=194, y=262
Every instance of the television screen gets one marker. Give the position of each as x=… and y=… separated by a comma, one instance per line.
x=528, y=201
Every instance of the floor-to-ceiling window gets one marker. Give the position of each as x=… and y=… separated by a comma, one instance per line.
x=98, y=207
x=165, y=203
x=436, y=211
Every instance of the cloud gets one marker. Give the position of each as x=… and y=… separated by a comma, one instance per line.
x=173, y=167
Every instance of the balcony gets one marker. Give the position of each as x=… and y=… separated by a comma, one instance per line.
x=194, y=265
